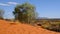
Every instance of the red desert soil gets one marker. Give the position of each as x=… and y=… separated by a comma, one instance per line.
x=17, y=28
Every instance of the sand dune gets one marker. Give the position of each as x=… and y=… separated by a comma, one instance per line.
x=17, y=28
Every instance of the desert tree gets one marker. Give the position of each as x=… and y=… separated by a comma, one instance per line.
x=25, y=12
x=1, y=13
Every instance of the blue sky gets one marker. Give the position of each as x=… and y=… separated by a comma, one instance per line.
x=44, y=8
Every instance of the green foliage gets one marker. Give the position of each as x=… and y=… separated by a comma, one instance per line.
x=25, y=12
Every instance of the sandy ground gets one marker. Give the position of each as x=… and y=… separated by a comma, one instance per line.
x=17, y=28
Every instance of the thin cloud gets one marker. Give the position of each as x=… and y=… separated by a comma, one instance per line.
x=8, y=4
x=13, y=3
x=2, y=4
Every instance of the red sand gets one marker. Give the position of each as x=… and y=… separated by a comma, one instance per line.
x=17, y=28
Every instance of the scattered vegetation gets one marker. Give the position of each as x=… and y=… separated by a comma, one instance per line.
x=25, y=13
x=50, y=24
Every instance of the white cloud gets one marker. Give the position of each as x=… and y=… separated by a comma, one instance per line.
x=8, y=3
x=2, y=4
x=13, y=3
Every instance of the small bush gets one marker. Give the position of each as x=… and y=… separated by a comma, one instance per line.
x=53, y=27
